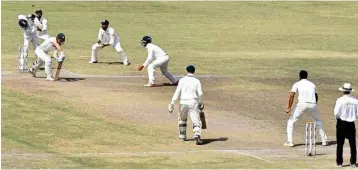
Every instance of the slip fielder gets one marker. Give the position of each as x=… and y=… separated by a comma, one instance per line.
x=41, y=25
x=156, y=58
x=108, y=37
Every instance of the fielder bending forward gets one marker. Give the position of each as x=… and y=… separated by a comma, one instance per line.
x=156, y=58
x=307, y=102
x=53, y=43
x=107, y=36
x=191, y=100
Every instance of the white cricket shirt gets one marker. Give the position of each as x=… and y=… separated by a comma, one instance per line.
x=108, y=36
x=306, y=91
x=48, y=45
x=189, y=90
x=154, y=52
x=346, y=108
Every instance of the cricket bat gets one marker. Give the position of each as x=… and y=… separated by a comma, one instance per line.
x=202, y=118
x=58, y=71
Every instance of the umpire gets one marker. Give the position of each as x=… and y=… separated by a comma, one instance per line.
x=346, y=112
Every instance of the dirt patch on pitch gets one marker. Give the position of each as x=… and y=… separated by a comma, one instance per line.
x=246, y=119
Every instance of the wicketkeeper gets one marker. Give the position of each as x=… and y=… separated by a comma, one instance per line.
x=191, y=101
x=53, y=43
x=27, y=24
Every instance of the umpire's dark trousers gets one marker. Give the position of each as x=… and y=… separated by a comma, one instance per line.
x=346, y=130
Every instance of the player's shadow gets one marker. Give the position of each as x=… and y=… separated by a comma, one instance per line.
x=66, y=79
x=318, y=143
x=110, y=63
x=164, y=85
x=207, y=141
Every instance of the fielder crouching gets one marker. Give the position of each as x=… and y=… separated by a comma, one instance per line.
x=191, y=100
x=53, y=43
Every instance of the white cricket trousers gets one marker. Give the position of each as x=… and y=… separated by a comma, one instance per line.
x=30, y=39
x=117, y=45
x=297, y=112
x=163, y=63
x=42, y=58
x=193, y=111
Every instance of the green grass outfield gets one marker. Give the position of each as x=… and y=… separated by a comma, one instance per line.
x=259, y=44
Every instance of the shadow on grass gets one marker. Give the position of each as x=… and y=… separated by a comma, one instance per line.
x=207, y=141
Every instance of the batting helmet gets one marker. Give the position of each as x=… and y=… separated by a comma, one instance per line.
x=23, y=23
x=146, y=40
x=61, y=37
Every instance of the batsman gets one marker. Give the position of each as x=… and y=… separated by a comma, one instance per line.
x=50, y=44
x=191, y=102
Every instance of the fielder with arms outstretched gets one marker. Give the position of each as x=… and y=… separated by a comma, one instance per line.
x=156, y=58
x=108, y=37
x=191, y=100
x=53, y=43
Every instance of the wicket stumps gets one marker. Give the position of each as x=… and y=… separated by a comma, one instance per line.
x=22, y=60
x=310, y=139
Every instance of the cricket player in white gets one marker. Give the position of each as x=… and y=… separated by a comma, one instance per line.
x=191, y=100
x=108, y=37
x=53, y=43
x=41, y=25
x=26, y=23
x=156, y=58
x=307, y=102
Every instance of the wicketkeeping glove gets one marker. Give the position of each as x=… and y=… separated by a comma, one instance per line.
x=171, y=108
x=140, y=67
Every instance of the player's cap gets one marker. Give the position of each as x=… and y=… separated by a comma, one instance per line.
x=105, y=22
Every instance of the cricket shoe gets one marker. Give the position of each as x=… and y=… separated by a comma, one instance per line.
x=197, y=139
x=339, y=166
x=325, y=143
x=127, y=64
x=149, y=85
x=92, y=61
x=33, y=72
x=288, y=144
x=50, y=79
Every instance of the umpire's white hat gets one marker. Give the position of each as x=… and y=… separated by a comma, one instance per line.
x=347, y=87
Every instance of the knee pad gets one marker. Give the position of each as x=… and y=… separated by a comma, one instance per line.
x=182, y=127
